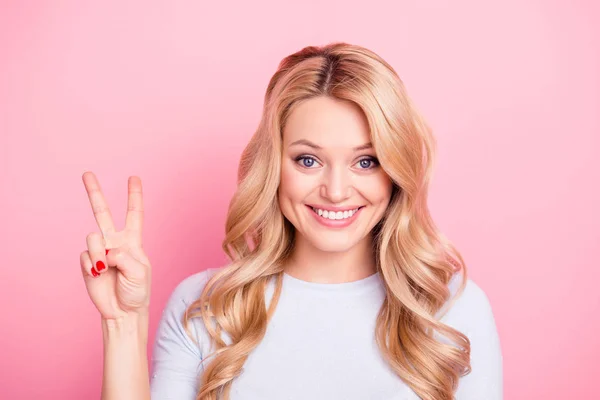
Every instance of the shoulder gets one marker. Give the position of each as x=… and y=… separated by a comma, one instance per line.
x=471, y=313
x=177, y=350
x=469, y=309
x=189, y=289
x=472, y=298
x=171, y=333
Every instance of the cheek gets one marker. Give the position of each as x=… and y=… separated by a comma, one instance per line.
x=294, y=185
x=285, y=179
x=378, y=189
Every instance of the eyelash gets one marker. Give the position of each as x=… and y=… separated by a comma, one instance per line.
x=372, y=159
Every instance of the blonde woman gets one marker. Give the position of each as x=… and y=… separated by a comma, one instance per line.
x=340, y=286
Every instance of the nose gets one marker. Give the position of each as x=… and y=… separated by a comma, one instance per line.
x=336, y=185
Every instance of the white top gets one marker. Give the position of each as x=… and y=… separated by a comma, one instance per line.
x=319, y=345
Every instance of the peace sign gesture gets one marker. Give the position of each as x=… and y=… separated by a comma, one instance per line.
x=115, y=269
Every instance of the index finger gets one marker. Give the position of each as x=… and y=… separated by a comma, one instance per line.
x=98, y=203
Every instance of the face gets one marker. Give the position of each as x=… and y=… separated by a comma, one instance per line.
x=332, y=188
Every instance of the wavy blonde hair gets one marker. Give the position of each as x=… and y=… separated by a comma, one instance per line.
x=416, y=261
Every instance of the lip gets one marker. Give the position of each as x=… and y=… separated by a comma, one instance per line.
x=341, y=223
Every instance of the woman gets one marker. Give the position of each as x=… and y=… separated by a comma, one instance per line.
x=339, y=287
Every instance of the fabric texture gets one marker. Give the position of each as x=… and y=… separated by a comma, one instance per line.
x=319, y=345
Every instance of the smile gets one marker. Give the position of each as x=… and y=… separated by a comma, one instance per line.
x=335, y=219
x=333, y=215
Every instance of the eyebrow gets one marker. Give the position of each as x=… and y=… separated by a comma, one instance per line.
x=314, y=146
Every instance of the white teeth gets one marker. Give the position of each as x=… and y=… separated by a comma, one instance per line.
x=333, y=215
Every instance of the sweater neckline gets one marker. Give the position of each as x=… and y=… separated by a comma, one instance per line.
x=360, y=285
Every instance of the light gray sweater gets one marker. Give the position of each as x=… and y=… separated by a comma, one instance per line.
x=319, y=345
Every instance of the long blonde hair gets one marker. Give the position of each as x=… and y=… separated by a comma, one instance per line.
x=416, y=261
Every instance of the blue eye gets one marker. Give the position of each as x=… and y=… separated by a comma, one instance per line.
x=310, y=162
x=368, y=163
x=307, y=161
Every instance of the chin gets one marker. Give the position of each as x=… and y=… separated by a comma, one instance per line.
x=332, y=244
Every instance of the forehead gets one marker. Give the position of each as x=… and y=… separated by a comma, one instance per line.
x=327, y=122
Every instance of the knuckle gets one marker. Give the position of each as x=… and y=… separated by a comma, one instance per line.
x=135, y=208
x=99, y=208
x=84, y=259
x=118, y=254
x=92, y=236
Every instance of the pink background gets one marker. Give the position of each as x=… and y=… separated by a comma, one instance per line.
x=173, y=91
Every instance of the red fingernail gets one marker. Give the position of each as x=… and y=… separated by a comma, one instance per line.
x=100, y=265
x=106, y=251
x=94, y=273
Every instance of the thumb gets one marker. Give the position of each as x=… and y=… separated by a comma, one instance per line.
x=132, y=269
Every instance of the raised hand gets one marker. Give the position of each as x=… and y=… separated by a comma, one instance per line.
x=115, y=268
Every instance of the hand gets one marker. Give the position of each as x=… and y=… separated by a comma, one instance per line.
x=123, y=285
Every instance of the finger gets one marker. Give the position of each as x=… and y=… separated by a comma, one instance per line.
x=131, y=268
x=135, y=205
x=98, y=203
x=97, y=249
x=87, y=268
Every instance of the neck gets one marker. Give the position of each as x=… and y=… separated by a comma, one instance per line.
x=311, y=264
